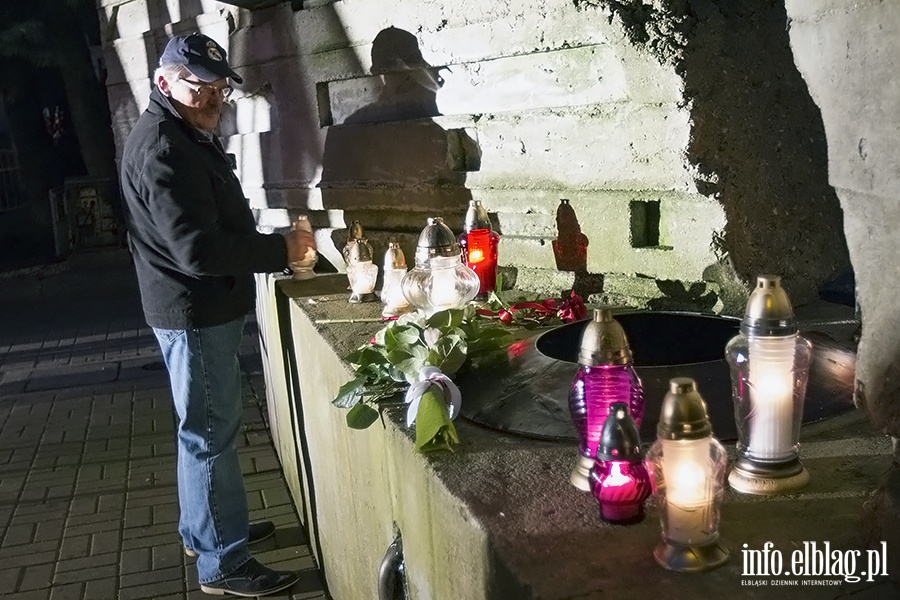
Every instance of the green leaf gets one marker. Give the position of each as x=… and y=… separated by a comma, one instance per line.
x=401, y=336
x=434, y=429
x=366, y=356
x=448, y=318
x=361, y=416
x=350, y=393
x=409, y=363
x=499, y=285
x=448, y=355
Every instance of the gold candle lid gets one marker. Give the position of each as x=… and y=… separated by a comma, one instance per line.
x=394, y=257
x=683, y=415
x=603, y=341
x=769, y=310
x=359, y=251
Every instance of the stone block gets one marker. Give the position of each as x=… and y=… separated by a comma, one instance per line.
x=570, y=77
x=656, y=294
x=131, y=59
x=608, y=146
x=857, y=81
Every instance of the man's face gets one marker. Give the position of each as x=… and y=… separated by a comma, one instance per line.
x=198, y=102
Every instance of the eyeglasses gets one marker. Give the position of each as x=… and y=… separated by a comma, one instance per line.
x=205, y=90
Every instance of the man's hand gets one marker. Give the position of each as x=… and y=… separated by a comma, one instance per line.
x=300, y=244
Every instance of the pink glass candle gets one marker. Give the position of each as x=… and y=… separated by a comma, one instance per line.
x=621, y=488
x=594, y=391
x=618, y=478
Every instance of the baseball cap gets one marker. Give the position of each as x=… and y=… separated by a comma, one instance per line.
x=201, y=55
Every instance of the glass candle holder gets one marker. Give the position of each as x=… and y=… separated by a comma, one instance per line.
x=480, y=248
x=687, y=466
x=362, y=276
x=303, y=269
x=618, y=478
x=769, y=364
x=394, y=269
x=439, y=280
x=606, y=376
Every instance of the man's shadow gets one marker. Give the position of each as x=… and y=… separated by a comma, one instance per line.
x=389, y=154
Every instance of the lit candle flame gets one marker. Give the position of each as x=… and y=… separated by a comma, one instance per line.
x=616, y=478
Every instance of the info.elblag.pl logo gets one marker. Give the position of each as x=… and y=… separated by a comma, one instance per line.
x=829, y=566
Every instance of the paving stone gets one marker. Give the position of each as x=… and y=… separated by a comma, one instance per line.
x=36, y=577
x=74, y=547
x=171, y=555
x=49, y=530
x=32, y=595
x=9, y=578
x=152, y=577
x=105, y=541
x=101, y=572
x=88, y=562
x=137, y=560
x=152, y=590
x=19, y=534
x=20, y=559
x=71, y=591
x=100, y=589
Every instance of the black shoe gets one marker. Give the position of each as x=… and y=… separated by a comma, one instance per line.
x=258, y=532
x=252, y=579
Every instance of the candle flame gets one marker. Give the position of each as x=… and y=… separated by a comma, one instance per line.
x=616, y=478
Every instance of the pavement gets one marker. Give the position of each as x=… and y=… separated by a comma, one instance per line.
x=88, y=506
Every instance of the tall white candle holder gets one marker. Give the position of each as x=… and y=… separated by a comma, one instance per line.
x=769, y=364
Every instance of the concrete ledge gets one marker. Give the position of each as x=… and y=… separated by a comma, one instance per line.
x=497, y=518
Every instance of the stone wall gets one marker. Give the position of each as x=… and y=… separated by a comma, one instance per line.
x=676, y=139
x=848, y=54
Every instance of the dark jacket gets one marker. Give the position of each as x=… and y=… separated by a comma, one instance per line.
x=191, y=231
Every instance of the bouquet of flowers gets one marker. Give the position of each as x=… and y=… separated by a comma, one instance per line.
x=418, y=357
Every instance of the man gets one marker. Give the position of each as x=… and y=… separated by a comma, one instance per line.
x=195, y=248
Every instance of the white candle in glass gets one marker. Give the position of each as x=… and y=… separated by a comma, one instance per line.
x=392, y=292
x=362, y=276
x=771, y=382
x=687, y=472
x=444, y=293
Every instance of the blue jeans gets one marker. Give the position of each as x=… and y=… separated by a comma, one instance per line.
x=206, y=388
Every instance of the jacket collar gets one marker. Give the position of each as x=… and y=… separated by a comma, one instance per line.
x=161, y=106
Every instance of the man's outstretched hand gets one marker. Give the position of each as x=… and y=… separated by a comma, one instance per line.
x=299, y=244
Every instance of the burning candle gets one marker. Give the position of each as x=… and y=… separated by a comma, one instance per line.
x=687, y=471
x=771, y=387
x=618, y=478
x=769, y=364
x=606, y=376
x=480, y=244
x=688, y=476
x=439, y=280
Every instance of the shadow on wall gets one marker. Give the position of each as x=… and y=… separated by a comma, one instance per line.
x=757, y=140
x=756, y=127
x=390, y=154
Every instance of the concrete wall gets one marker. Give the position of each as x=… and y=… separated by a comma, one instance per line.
x=680, y=135
x=848, y=54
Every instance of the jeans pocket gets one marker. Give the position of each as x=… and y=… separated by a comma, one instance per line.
x=167, y=336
